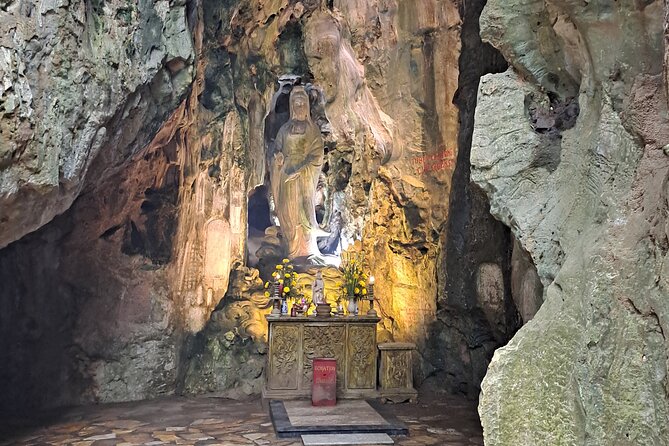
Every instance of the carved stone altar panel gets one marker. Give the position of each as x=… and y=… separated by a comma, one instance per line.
x=397, y=373
x=284, y=365
x=323, y=342
x=361, y=349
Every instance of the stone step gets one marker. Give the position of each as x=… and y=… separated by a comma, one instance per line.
x=346, y=439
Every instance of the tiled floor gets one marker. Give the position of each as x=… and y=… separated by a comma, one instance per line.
x=441, y=421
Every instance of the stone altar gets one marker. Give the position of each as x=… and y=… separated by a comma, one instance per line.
x=295, y=341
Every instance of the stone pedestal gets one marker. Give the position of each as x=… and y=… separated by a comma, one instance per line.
x=395, y=372
x=294, y=342
x=323, y=309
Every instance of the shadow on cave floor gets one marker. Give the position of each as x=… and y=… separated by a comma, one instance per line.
x=435, y=420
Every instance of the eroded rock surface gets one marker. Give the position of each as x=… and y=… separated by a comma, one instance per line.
x=86, y=310
x=86, y=305
x=80, y=79
x=568, y=147
x=228, y=356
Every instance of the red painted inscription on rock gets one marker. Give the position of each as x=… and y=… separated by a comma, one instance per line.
x=440, y=160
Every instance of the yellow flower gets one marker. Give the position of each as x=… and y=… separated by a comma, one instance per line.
x=285, y=260
x=286, y=275
x=279, y=267
x=280, y=280
x=266, y=284
x=286, y=290
x=274, y=274
x=361, y=283
x=266, y=293
x=364, y=291
x=356, y=291
x=293, y=283
x=290, y=266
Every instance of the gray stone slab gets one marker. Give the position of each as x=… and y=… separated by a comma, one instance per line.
x=346, y=439
x=324, y=419
x=345, y=413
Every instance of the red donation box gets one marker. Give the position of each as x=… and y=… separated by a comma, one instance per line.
x=324, y=387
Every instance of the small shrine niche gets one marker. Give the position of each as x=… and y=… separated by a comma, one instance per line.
x=259, y=219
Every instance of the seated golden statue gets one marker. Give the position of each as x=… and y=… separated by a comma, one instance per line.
x=295, y=169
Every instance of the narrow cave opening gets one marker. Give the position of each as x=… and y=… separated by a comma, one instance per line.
x=259, y=219
x=481, y=268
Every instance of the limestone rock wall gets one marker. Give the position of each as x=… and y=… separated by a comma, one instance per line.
x=86, y=311
x=79, y=79
x=527, y=290
x=666, y=48
x=568, y=146
x=399, y=209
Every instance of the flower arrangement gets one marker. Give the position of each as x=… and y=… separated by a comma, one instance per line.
x=284, y=274
x=354, y=279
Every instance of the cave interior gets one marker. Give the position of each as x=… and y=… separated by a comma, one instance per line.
x=501, y=177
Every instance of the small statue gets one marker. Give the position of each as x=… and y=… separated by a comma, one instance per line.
x=318, y=289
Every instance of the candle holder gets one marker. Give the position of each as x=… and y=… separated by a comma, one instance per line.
x=370, y=297
x=340, y=309
x=276, y=300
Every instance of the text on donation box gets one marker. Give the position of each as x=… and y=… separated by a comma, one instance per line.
x=324, y=388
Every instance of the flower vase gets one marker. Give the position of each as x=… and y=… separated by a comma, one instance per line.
x=352, y=306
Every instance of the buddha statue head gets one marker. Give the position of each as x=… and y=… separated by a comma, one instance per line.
x=299, y=104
